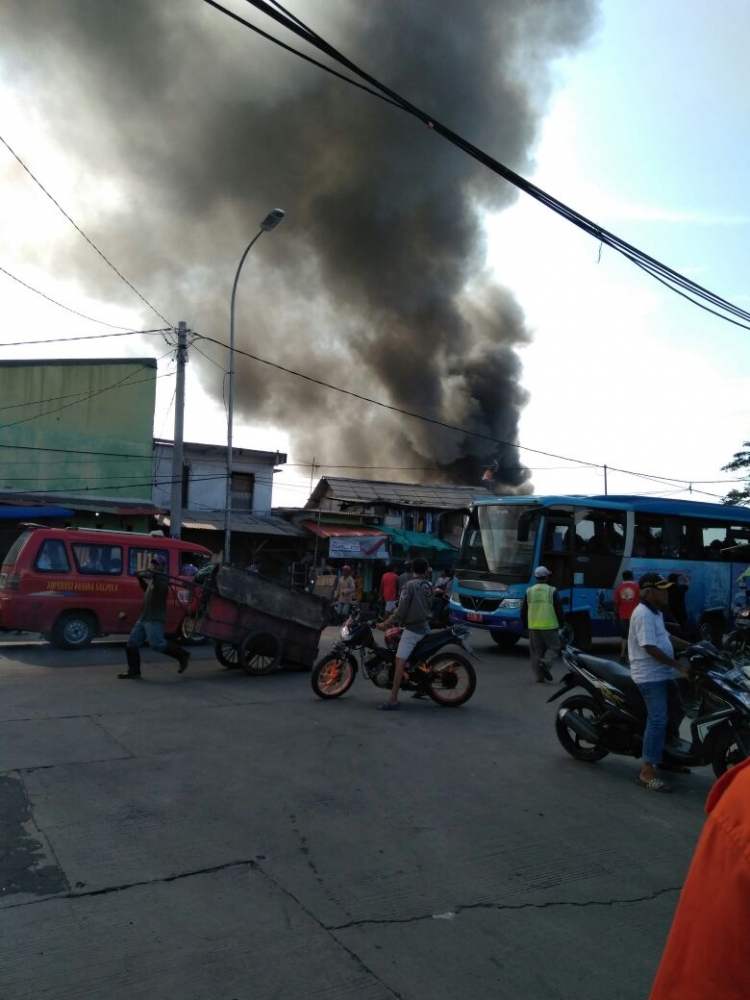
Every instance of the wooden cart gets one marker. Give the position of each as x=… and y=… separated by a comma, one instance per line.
x=254, y=623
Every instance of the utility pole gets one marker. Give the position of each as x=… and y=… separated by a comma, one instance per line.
x=175, y=508
x=605, y=480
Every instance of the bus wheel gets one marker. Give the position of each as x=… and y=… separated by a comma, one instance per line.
x=73, y=630
x=581, y=626
x=504, y=639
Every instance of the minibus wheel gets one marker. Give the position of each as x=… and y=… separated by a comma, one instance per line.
x=73, y=630
x=505, y=640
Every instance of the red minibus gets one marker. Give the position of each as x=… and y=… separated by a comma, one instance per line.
x=74, y=584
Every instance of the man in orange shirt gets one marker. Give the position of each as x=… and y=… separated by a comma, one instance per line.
x=705, y=957
x=626, y=598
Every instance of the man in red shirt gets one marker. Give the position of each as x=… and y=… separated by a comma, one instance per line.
x=705, y=957
x=627, y=597
x=389, y=588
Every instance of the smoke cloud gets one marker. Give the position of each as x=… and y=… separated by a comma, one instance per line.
x=376, y=282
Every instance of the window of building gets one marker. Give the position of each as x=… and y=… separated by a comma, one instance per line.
x=243, y=486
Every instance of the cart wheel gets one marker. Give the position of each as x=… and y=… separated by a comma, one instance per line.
x=227, y=655
x=260, y=652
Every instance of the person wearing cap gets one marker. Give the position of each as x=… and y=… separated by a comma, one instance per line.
x=542, y=614
x=651, y=651
x=345, y=590
x=150, y=625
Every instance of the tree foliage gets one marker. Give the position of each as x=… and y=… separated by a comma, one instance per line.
x=740, y=463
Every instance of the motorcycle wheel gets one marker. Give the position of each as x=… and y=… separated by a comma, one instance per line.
x=452, y=680
x=727, y=751
x=574, y=744
x=333, y=675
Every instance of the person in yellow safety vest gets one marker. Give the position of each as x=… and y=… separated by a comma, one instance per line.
x=542, y=614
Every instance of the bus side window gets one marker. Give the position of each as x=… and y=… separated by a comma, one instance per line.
x=647, y=541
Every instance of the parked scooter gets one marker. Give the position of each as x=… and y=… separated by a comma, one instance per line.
x=737, y=643
x=610, y=717
x=444, y=675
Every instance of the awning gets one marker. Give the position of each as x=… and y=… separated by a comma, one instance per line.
x=417, y=539
x=340, y=531
x=10, y=512
x=350, y=542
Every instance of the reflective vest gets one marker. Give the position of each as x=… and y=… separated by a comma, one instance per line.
x=541, y=608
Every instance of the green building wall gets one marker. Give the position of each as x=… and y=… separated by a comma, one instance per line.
x=76, y=426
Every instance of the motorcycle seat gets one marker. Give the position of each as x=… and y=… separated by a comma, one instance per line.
x=615, y=673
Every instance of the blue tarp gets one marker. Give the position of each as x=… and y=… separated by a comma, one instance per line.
x=9, y=512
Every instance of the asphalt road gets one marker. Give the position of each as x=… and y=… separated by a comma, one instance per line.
x=219, y=836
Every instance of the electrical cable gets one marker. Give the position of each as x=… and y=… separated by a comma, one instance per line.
x=78, y=228
x=666, y=275
x=113, y=326
x=66, y=340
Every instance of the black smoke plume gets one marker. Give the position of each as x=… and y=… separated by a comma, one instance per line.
x=377, y=280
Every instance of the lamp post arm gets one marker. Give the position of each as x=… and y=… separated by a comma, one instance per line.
x=230, y=405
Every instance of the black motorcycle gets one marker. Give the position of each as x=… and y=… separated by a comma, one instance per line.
x=737, y=643
x=446, y=677
x=611, y=716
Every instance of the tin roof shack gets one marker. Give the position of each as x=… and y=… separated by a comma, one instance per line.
x=369, y=523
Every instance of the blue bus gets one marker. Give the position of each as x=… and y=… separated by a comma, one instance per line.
x=587, y=543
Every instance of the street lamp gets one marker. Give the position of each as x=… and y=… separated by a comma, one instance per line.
x=270, y=222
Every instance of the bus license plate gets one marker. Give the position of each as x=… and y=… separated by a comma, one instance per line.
x=472, y=616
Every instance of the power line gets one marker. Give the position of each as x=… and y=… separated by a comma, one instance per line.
x=65, y=340
x=78, y=228
x=452, y=427
x=113, y=326
x=664, y=274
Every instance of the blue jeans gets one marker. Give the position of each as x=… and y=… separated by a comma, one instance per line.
x=150, y=632
x=664, y=713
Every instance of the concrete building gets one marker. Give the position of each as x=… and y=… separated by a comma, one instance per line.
x=258, y=536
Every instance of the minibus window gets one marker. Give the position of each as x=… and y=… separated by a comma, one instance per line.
x=52, y=557
x=101, y=559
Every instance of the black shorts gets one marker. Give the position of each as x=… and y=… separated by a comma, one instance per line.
x=624, y=627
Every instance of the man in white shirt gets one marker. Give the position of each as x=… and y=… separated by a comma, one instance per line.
x=651, y=651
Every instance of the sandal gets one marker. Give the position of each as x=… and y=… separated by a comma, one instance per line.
x=386, y=706
x=654, y=785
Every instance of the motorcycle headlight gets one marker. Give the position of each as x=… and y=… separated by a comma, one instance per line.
x=510, y=602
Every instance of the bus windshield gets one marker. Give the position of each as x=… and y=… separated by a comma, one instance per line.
x=491, y=545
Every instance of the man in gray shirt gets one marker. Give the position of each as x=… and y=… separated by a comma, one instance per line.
x=413, y=612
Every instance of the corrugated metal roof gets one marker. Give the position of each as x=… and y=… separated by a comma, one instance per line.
x=120, y=505
x=368, y=491
x=248, y=524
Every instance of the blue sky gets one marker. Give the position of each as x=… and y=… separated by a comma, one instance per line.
x=646, y=135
